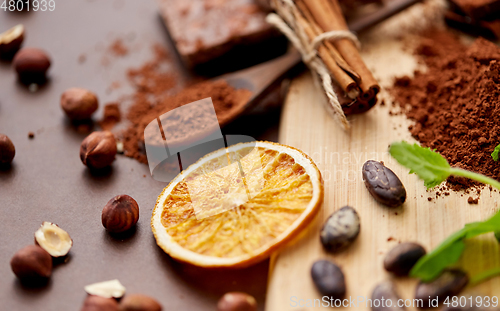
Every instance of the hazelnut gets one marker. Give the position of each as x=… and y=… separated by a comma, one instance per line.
x=31, y=65
x=78, y=103
x=96, y=303
x=7, y=150
x=139, y=302
x=106, y=289
x=31, y=262
x=98, y=150
x=120, y=214
x=236, y=301
x=53, y=239
x=11, y=40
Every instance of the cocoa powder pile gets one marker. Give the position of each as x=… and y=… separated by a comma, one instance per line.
x=155, y=83
x=455, y=103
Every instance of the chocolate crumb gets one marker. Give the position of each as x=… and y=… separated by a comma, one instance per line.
x=118, y=48
x=31, y=135
x=112, y=115
x=470, y=200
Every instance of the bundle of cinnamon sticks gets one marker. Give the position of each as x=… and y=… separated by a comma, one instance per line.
x=354, y=83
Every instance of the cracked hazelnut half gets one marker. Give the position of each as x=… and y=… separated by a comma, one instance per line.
x=11, y=40
x=106, y=289
x=53, y=239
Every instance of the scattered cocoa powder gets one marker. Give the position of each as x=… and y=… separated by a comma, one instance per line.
x=455, y=103
x=155, y=77
x=155, y=83
x=112, y=115
x=118, y=48
x=225, y=98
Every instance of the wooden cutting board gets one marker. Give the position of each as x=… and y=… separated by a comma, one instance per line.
x=340, y=156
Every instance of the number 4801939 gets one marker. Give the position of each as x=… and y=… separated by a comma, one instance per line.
x=28, y=5
x=477, y=302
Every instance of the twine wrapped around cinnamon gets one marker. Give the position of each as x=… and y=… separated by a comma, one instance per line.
x=308, y=25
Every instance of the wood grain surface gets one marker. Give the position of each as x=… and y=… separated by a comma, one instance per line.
x=340, y=156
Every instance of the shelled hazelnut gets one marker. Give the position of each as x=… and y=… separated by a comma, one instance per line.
x=120, y=214
x=53, y=239
x=11, y=41
x=106, y=289
x=31, y=65
x=138, y=302
x=78, y=103
x=7, y=150
x=31, y=262
x=98, y=150
x=236, y=301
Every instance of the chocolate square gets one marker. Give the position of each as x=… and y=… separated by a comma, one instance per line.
x=205, y=30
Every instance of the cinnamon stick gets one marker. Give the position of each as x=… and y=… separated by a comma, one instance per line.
x=348, y=85
x=328, y=15
x=334, y=53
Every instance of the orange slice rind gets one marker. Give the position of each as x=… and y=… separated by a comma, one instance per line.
x=237, y=205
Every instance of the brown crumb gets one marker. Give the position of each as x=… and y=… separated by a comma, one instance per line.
x=31, y=135
x=470, y=200
x=112, y=115
x=82, y=58
x=429, y=199
x=390, y=239
x=118, y=48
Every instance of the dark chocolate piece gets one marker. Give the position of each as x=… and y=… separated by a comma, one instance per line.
x=204, y=30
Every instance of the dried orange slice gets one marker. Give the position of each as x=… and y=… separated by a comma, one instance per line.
x=237, y=205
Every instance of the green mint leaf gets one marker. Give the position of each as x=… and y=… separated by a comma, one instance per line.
x=495, y=153
x=483, y=276
x=426, y=163
x=449, y=251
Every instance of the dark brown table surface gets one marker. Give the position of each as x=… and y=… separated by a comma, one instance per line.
x=47, y=181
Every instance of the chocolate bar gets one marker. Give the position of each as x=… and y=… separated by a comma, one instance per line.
x=230, y=31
